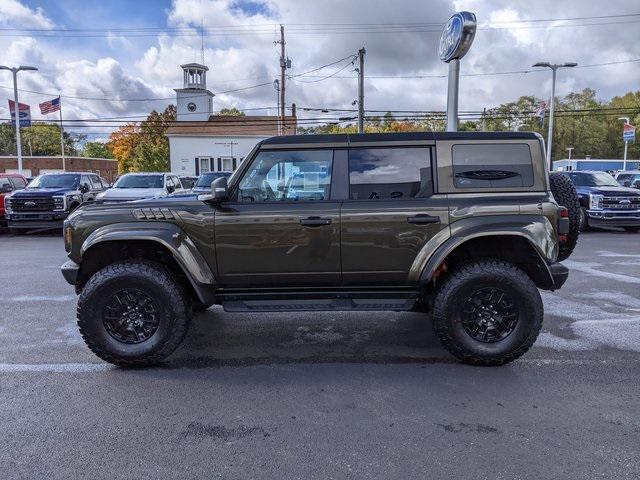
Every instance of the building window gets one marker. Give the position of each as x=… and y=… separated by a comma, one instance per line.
x=205, y=165
x=226, y=164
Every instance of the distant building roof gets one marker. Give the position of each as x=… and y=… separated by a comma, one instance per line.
x=230, y=125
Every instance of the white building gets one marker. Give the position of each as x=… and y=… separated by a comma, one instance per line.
x=200, y=141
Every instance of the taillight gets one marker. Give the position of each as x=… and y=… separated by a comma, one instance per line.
x=562, y=238
x=564, y=212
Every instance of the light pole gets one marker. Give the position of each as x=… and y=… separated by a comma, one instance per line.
x=570, y=149
x=14, y=71
x=554, y=67
x=626, y=120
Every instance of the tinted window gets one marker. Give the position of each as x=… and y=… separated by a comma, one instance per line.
x=492, y=165
x=597, y=179
x=95, y=182
x=379, y=173
x=18, y=182
x=55, y=181
x=139, y=181
x=291, y=175
x=4, y=182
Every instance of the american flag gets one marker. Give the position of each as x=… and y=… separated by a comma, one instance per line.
x=50, y=106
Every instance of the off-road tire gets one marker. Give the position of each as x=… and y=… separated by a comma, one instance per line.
x=456, y=288
x=155, y=281
x=565, y=194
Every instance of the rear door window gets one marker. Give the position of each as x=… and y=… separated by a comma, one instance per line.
x=492, y=165
x=390, y=173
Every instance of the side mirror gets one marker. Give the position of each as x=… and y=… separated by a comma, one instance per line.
x=219, y=189
x=84, y=188
x=6, y=189
x=171, y=188
x=636, y=184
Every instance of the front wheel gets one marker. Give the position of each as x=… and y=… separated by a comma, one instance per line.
x=487, y=312
x=584, y=220
x=133, y=313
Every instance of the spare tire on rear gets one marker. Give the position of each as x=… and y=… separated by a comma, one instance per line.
x=565, y=194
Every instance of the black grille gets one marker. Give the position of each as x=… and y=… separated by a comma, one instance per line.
x=621, y=203
x=32, y=204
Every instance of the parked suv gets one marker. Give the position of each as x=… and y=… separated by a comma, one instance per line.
x=9, y=182
x=461, y=225
x=135, y=186
x=48, y=200
x=604, y=203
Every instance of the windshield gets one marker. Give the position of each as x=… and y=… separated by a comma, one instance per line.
x=55, y=181
x=139, y=181
x=598, y=179
x=205, y=179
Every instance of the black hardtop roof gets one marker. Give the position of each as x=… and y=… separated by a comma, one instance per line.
x=397, y=137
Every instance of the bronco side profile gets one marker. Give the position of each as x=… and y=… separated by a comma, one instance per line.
x=462, y=226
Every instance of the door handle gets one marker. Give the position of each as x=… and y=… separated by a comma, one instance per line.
x=315, y=221
x=423, y=218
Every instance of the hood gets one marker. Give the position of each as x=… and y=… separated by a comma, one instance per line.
x=610, y=191
x=132, y=193
x=41, y=192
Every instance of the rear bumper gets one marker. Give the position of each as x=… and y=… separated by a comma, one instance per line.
x=559, y=275
x=611, y=218
x=70, y=271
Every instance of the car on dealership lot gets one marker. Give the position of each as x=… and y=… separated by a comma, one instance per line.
x=9, y=183
x=136, y=186
x=604, y=202
x=49, y=198
x=467, y=226
x=629, y=178
x=203, y=184
x=188, y=182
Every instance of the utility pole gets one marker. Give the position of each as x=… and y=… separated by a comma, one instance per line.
x=554, y=67
x=361, y=54
x=283, y=67
x=16, y=107
x=484, y=119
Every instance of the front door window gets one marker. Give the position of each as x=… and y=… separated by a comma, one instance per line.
x=291, y=175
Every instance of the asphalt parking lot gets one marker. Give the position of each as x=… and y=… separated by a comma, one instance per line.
x=353, y=395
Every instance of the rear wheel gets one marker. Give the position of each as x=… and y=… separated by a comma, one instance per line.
x=133, y=313
x=487, y=312
x=565, y=194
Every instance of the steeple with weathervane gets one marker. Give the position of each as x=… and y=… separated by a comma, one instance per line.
x=194, y=101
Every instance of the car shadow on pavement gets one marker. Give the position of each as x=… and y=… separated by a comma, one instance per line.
x=217, y=338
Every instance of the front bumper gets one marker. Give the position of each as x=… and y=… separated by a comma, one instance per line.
x=31, y=221
x=70, y=271
x=613, y=218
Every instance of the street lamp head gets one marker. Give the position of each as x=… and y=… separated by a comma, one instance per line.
x=542, y=64
x=26, y=67
x=569, y=64
x=3, y=67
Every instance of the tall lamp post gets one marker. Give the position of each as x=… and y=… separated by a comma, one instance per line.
x=14, y=71
x=554, y=67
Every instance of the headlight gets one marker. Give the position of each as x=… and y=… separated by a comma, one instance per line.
x=7, y=204
x=595, y=201
x=59, y=203
x=73, y=198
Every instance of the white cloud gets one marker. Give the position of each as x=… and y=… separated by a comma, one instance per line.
x=15, y=14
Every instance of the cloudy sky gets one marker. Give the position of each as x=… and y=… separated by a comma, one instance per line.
x=97, y=52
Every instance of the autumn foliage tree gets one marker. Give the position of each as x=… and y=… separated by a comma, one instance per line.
x=143, y=147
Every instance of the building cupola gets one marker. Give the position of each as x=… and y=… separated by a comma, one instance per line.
x=194, y=101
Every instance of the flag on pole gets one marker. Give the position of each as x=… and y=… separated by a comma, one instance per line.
x=24, y=113
x=50, y=106
x=540, y=111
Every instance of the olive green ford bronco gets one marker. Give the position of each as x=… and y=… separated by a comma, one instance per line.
x=461, y=226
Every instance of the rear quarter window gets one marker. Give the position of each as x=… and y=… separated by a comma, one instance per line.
x=492, y=165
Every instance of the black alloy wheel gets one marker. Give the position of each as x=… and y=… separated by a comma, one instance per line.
x=489, y=315
x=130, y=316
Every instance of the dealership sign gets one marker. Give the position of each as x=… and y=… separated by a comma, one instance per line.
x=457, y=36
x=24, y=113
x=628, y=132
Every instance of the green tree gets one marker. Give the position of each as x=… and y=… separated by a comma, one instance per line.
x=96, y=150
x=231, y=111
